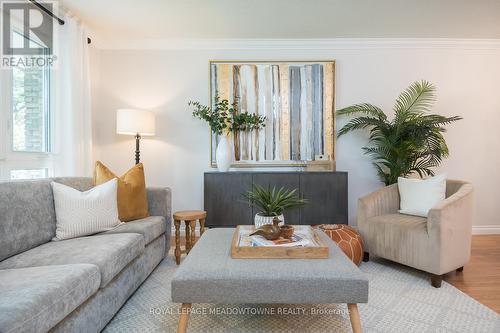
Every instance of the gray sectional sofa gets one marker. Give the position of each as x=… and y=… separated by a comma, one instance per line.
x=74, y=285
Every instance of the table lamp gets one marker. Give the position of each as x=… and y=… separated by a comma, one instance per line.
x=137, y=123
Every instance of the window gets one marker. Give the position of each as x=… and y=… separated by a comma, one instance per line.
x=28, y=174
x=30, y=110
x=26, y=112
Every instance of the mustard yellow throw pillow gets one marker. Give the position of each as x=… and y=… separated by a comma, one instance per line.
x=132, y=197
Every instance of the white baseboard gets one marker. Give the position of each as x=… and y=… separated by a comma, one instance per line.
x=486, y=229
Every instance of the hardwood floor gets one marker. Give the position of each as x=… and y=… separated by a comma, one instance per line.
x=480, y=278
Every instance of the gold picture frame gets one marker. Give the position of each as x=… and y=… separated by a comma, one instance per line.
x=291, y=91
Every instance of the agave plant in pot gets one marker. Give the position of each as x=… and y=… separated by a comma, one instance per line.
x=272, y=203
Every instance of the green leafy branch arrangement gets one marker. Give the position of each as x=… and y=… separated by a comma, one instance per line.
x=225, y=118
x=412, y=142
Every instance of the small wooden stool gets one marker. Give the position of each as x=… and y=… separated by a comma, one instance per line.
x=189, y=217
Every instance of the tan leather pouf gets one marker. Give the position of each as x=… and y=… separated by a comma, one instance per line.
x=348, y=239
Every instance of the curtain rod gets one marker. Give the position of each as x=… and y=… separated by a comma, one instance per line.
x=48, y=12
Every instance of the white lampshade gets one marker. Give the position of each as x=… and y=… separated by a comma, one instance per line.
x=132, y=122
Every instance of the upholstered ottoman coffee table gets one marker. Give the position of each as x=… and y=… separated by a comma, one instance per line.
x=210, y=275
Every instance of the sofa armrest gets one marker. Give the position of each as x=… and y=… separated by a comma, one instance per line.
x=455, y=212
x=449, y=225
x=160, y=203
x=382, y=202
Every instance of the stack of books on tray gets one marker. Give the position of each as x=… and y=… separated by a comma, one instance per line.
x=296, y=240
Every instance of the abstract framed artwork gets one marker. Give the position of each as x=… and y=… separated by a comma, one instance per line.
x=296, y=97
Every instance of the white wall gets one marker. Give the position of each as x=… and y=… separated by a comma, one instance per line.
x=466, y=73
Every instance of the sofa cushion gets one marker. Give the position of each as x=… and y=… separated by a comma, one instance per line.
x=35, y=299
x=27, y=216
x=400, y=220
x=150, y=228
x=111, y=253
x=396, y=236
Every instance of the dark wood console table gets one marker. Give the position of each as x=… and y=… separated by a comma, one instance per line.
x=325, y=191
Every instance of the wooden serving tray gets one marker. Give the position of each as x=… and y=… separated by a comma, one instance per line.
x=317, y=249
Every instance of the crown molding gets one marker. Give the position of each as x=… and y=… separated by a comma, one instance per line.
x=298, y=44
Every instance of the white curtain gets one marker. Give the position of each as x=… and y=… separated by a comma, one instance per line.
x=72, y=119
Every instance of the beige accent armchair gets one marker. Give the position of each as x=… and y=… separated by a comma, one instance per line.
x=437, y=244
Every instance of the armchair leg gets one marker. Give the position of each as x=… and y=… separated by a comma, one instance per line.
x=436, y=280
x=366, y=256
x=461, y=269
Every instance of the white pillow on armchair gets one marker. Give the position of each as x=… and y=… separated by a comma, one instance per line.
x=418, y=196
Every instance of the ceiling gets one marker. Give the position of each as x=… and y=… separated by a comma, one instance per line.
x=260, y=19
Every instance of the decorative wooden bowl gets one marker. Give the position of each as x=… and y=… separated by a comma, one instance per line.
x=287, y=231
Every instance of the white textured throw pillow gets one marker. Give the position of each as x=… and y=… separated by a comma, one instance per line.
x=418, y=196
x=85, y=213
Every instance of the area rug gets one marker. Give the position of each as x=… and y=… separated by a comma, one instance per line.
x=400, y=300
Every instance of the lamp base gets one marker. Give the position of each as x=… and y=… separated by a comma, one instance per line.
x=137, y=150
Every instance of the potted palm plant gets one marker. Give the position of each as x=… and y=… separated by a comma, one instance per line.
x=412, y=142
x=272, y=202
